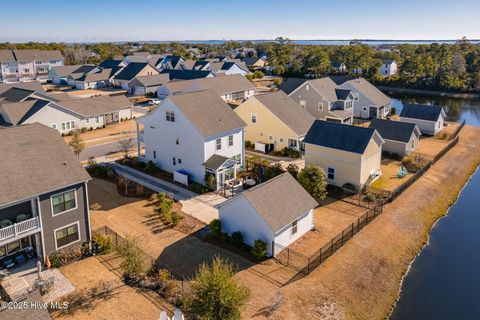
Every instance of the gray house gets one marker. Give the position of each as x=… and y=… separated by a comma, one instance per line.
x=401, y=138
x=324, y=100
x=143, y=85
x=43, y=209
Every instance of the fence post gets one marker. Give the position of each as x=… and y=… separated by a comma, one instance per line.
x=288, y=256
x=106, y=233
x=352, y=230
x=331, y=247
x=116, y=239
x=320, y=257
x=342, y=236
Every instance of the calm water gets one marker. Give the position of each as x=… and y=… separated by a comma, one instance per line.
x=444, y=281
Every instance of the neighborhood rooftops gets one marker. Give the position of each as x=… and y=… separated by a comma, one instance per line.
x=20, y=111
x=110, y=63
x=422, y=112
x=31, y=85
x=207, y=112
x=339, y=136
x=186, y=74
x=35, y=160
x=280, y=200
x=151, y=80
x=370, y=91
x=223, y=85
x=96, y=105
x=394, y=130
x=288, y=111
x=37, y=55
x=131, y=71
x=289, y=85
x=65, y=71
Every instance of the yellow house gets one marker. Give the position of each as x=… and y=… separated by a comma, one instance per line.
x=347, y=154
x=275, y=118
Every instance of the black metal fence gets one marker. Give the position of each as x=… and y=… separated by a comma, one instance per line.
x=457, y=131
x=153, y=263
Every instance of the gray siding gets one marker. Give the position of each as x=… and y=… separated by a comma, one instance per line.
x=50, y=223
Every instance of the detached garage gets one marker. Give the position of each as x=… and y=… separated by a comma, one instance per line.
x=401, y=138
x=429, y=119
x=143, y=85
x=279, y=211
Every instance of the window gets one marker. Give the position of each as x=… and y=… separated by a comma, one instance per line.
x=170, y=116
x=179, y=161
x=219, y=144
x=97, y=120
x=331, y=174
x=87, y=120
x=13, y=247
x=280, y=139
x=26, y=70
x=53, y=125
x=294, y=227
x=348, y=104
x=238, y=157
x=320, y=106
x=63, y=126
x=63, y=202
x=174, y=161
x=270, y=138
x=154, y=154
x=67, y=235
x=38, y=62
x=303, y=104
x=177, y=141
x=254, y=118
x=230, y=140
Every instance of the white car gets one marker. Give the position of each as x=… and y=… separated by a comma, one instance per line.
x=154, y=102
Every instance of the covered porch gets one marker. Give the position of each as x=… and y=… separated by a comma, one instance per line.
x=223, y=169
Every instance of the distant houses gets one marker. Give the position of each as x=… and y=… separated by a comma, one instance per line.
x=59, y=75
x=347, y=154
x=187, y=74
x=143, y=85
x=27, y=65
x=255, y=62
x=338, y=67
x=388, y=68
x=430, y=119
x=132, y=70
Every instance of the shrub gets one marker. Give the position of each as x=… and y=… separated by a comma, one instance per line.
x=393, y=111
x=167, y=286
x=293, y=170
x=215, y=227
x=60, y=258
x=249, y=144
x=259, y=249
x=215, y=293
x=274, y=170
x=237, y=239
x=150, y=168
x=83, y=130
x=210, y=180
x=175, y=218
x=313, y=180
x=258, y=74
x=197, y=188
x=104, y=243
x=289, y=152
x=133, y=264
x=413, y=163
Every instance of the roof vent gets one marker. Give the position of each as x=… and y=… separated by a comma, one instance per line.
x=64, y=163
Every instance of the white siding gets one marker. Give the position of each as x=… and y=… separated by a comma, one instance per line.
x=427, y=127
x=284, y=237
x=125, y=113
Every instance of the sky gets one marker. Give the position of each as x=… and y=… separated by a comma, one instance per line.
x=144, y=20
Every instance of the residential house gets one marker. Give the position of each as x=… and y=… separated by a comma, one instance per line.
x=171, y=62
x=369, y=101
x=429, y=119
x=339, y=67
x=400, y=138
x=275, y=118
x=255, y=62
x=388, y=68
x=134, y=69
x=324, y=100
x=288, y=85
x=243, y=52
x=66, y=115
x=278, y=212
x=347, y=154
x=193, y=134
x=26, y=65
x=145, y=57
x=229, y=68
x=232, y=89
x=108, y=64
x=43, y=194
x=96, y=79
x=59, y=75
x=187, y=74
x=16, y=92
x=144, y=85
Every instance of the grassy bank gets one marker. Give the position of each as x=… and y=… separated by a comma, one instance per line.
x=428, y=93
x=362, y=280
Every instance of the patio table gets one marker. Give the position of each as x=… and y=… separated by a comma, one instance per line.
x=21, y=217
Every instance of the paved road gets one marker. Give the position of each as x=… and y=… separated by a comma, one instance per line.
x=99, y=150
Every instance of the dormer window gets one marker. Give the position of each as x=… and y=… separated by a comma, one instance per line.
x=170, y=116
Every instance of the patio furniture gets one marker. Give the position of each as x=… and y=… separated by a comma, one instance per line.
x=402, y=172
x=29, y=253
x=19, y=259
x=44, y=285
x=4, y=273
x=21, y=217
x=8, y=262
x=5, y=223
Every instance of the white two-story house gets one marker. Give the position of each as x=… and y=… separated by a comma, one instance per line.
x=193, y=134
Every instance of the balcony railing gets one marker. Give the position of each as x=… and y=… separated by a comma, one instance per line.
x=19, y=228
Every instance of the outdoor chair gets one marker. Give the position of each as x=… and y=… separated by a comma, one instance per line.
x=8, y=263
x=5, y=223
x=19, y=259
x=21, y=217
x=4, y=273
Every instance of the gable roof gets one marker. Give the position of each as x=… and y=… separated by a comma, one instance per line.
x=421, y=111
x=289, y=85
x=132, y=70
x=207, y=112
x=95, y=105
x=216, y=161
x=15, y=95
x=340, y=79
x=388, y=61
x=250, y=61
x=367, y=89
x=394, y=130
x=222, y=85
x=27, y=55
x=186, y=74
x=342, y=94
x=31, y=85
x=288, y=111
x=18, y=112
x=326, y=87
x=339, y=136
x=7, y=56
x=280, y=200
x=65, y=71
x=151, y=80
x=110, y=63
x=102, y=75
x=35, y=160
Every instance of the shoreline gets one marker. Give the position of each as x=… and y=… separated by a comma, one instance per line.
x=427, y=243
x=363, y=279
x=428, y=93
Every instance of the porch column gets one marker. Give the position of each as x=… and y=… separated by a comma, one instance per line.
x=138, y=140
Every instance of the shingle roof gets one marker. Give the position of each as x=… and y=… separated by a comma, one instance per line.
x=131, y=71
x=342, y=94
x=152, y=80
x=288, y=111
x=222, y=85
x=290, y=84
x=6, y=56
x=326, y=87
x=18, y=112
x=35, y=160
x=340, y=79
x=422, y=112
x=102, y=75
x=280, y=200
x=65, y=71
x=250, y=61
x=27, y=55
x=31, y=85
x=370, y=91
x=96, y=105
x=186, y=74
x=388, y=61
x=393, y=130
x=110, y=63
x=339, y=136
x=215, y=162
x=14, y=95
x=207, y=112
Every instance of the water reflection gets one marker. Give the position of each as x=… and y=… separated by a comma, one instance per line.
x=456, y=109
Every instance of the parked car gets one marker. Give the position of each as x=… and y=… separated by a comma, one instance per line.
x=154, y=102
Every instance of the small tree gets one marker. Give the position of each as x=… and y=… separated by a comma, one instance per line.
x=277, y=82
x=125, y=145
x=150, y=168
x=215, y=294
x=293, y=170
x=237, y=239
x=215, y=227
x=274, y=170
x=210, y=180
x=259, y=249
x=77, y=143
x=313, y=180
x=131, y=252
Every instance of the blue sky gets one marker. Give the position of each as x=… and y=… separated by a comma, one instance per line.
x=101, y=20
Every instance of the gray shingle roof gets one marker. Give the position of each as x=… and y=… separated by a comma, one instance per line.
x=31, y=85
x=65, y=71
x=280, y=200
x=342, y=94
x=290, y=84
x=131, y=71
x=422, y=112
x=326, y=87
x=96, y=105
x=370, y=91
x=110, y=63
x=393, y=130
x=207, y=112
x=35, y=160
x=148, y=81
x=27, y=55
x=6, y=56
x=222, y=85
x=339, y=136
x=215, y=161
x=288, y=111
x=14, y=95
x=186, y=74
x=21, y=111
